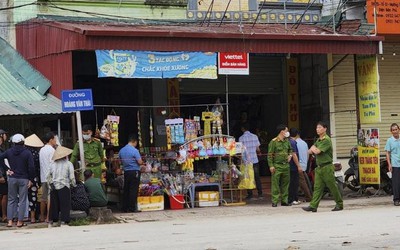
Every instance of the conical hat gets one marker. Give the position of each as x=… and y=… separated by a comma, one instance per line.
x=61, y=152
x=33, y=141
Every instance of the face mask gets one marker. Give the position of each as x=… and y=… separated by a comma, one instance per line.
x=87, y=137
x=287, y=134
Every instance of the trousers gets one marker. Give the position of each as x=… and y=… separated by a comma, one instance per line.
x=325, y=177
x=280, y=183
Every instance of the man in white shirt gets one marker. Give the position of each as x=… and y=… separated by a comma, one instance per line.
x=45, y=157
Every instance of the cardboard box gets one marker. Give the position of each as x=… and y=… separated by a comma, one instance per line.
x=208, y=198
x=150, y=203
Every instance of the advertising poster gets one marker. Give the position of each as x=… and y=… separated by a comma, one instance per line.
x=368, y=89
x=149, y=64
x=368, y=156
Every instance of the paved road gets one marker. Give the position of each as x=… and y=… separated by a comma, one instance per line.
x=366, y=223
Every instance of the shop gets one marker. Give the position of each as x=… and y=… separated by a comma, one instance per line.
x=144, y=104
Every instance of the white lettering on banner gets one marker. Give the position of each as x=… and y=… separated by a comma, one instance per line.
x=77, y=94
x=237, y=57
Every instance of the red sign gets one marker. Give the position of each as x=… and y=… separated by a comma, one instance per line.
x=233, y=63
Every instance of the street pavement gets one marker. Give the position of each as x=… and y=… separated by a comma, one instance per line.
x=367, y=222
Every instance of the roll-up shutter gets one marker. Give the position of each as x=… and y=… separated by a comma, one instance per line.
x=345, y=105
x=345, y=99
x=265, y=78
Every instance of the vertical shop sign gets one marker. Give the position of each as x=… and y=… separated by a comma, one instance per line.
x=368, y=156
x=368, y=88
x=233, y=63
x=173, y=98
x=292, y=69
x=387, y=15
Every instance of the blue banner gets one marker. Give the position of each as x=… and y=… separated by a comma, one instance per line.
x=148, y=64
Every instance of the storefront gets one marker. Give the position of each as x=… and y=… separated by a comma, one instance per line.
x=67, y=57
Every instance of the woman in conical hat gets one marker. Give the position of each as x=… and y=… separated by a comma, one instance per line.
x=60, y=179
x=33, y=144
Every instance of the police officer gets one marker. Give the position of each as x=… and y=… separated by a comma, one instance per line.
x=279, y=155
x=93, y=151
x=324, y=172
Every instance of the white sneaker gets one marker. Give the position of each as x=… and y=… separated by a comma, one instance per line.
x=296, y=202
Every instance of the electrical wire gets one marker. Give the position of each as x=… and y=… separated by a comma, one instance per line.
x=258, y=14
x=226, y=9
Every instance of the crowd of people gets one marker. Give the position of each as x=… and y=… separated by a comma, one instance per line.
x=38, y=181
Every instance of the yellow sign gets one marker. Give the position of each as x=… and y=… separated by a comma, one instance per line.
x=368, y=88
x=368, y=156
x=293, y=92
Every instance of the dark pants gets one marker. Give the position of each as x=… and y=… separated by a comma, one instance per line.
x=396, y=183
x=131, y=190
x=256, y=168
x=294, y=186
x=60, y=202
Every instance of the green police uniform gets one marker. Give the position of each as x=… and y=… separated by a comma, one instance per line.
x=324, y=173
x=94, y=155
x=278, y=152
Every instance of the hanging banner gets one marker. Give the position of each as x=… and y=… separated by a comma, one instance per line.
x=148, y=64
x=233, y=63
x=368, y=88
x=368, y=156
x=292, y=71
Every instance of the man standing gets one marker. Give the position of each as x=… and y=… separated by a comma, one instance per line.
x=324, y=172
x=131, y=161
x=20, y=178
x=93, y=151
x=279, y=155
x=45, y=158
x=392, y=149
x=252, y=144
x=302, y=148
x=295, y=170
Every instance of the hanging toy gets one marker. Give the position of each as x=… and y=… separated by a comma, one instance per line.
x=138, y=127
x=151, y=130
x=207, y=117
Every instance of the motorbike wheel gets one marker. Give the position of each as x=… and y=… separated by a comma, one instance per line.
x=352, y=183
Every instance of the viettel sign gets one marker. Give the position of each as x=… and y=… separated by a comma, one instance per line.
x=236, y=63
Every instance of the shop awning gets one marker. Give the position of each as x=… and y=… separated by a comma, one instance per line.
x=22, y=88
x=227, y=37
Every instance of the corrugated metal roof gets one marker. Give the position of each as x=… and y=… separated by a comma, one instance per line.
x=55, y=36
x=21, y=70
x=49, y=105
x=22, y=88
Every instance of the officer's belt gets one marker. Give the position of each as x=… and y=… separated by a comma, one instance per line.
x=93, y=164
x=281, y=163
x=324, y=164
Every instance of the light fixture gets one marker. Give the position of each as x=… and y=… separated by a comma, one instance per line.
x=394, y=53
x=288, y=55
x=382, y=58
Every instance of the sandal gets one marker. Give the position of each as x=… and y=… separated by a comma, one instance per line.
x=22, y=225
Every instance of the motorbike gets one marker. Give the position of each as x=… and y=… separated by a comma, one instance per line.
x=352, y=177
x=339, y=175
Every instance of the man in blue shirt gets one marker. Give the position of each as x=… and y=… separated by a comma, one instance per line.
x=252, y=144
x=392, y=149
x=131, y=161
